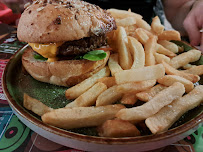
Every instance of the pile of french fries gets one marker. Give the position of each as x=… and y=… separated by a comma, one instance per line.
x=144, y=66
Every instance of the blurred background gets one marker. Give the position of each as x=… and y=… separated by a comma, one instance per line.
x=143, y=7
x=10, y=10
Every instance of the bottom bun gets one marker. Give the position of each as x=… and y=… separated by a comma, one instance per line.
x=63, y=73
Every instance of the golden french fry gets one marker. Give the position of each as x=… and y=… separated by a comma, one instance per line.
x=89, y=97
x=118, y=128
x=137, y=52
x=168, y=115
x=113, y=64
x=129, y=99
x=196, y=70
x=169, y=45
x=150, y=93
x=135, y=87
x=156, y=25
x=141, y=35
x=77, y=117
x=161, y=57
x=150, y=33
x=169, y=35
x=130, y=30
x=143, y=24
x=116, y=13
x=108, y=81
x=150, y=49
x=172, y=71
x=188, y=66
x=125, y=58
x=185, y=58
x=141, y=74
x=108, y=97
x=163, y=98
x=35, y=105
x=168, y=80
x=126, y=21
x=80, y=88
x=160, y=49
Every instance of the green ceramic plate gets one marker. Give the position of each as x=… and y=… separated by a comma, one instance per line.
x=19, y=82
x=16, y=82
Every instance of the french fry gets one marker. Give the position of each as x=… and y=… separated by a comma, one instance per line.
x=77, y=117
x=141, y=35
x=169, y=35
x=77, y=90
x=196, y=70
x=169, y=45
x=113, y=64
x=168, y=80
x=129, y=99
x=168, y=115
x=172, y=71
x=116, y=13
x=141, y=74
x=108, y=81
x=89, y=97
x=150, y=93
x=35, y=105
x=125, y=58
x=118, y=128
x=156, y=25
x=108, y=97
x=150, y=49
x=162, y=50
x=185, y=58
x=163, y=98
x=143, y=24
x=161, y=57
x=130, y=30
x=137, y=52
x=135, y=87
x=188, y=66
x=126, y=21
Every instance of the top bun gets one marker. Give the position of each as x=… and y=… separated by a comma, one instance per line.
x=66, y=20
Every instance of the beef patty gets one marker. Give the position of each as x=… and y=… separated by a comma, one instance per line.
x=82, y=46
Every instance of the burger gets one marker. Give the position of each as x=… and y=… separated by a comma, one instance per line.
x=67, y=40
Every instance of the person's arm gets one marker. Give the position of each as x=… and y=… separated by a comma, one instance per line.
x=186, y=16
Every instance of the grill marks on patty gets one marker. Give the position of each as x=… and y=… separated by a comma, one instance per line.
x=82, y=46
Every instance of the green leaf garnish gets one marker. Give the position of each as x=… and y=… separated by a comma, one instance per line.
x=96, y=52
x=39, y=57
x=95, y=55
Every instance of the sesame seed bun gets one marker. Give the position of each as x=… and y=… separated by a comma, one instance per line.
x=55, y=22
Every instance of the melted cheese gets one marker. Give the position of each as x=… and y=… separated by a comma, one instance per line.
x=46, y=50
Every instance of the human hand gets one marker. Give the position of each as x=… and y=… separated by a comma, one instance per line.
x=193, y=24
